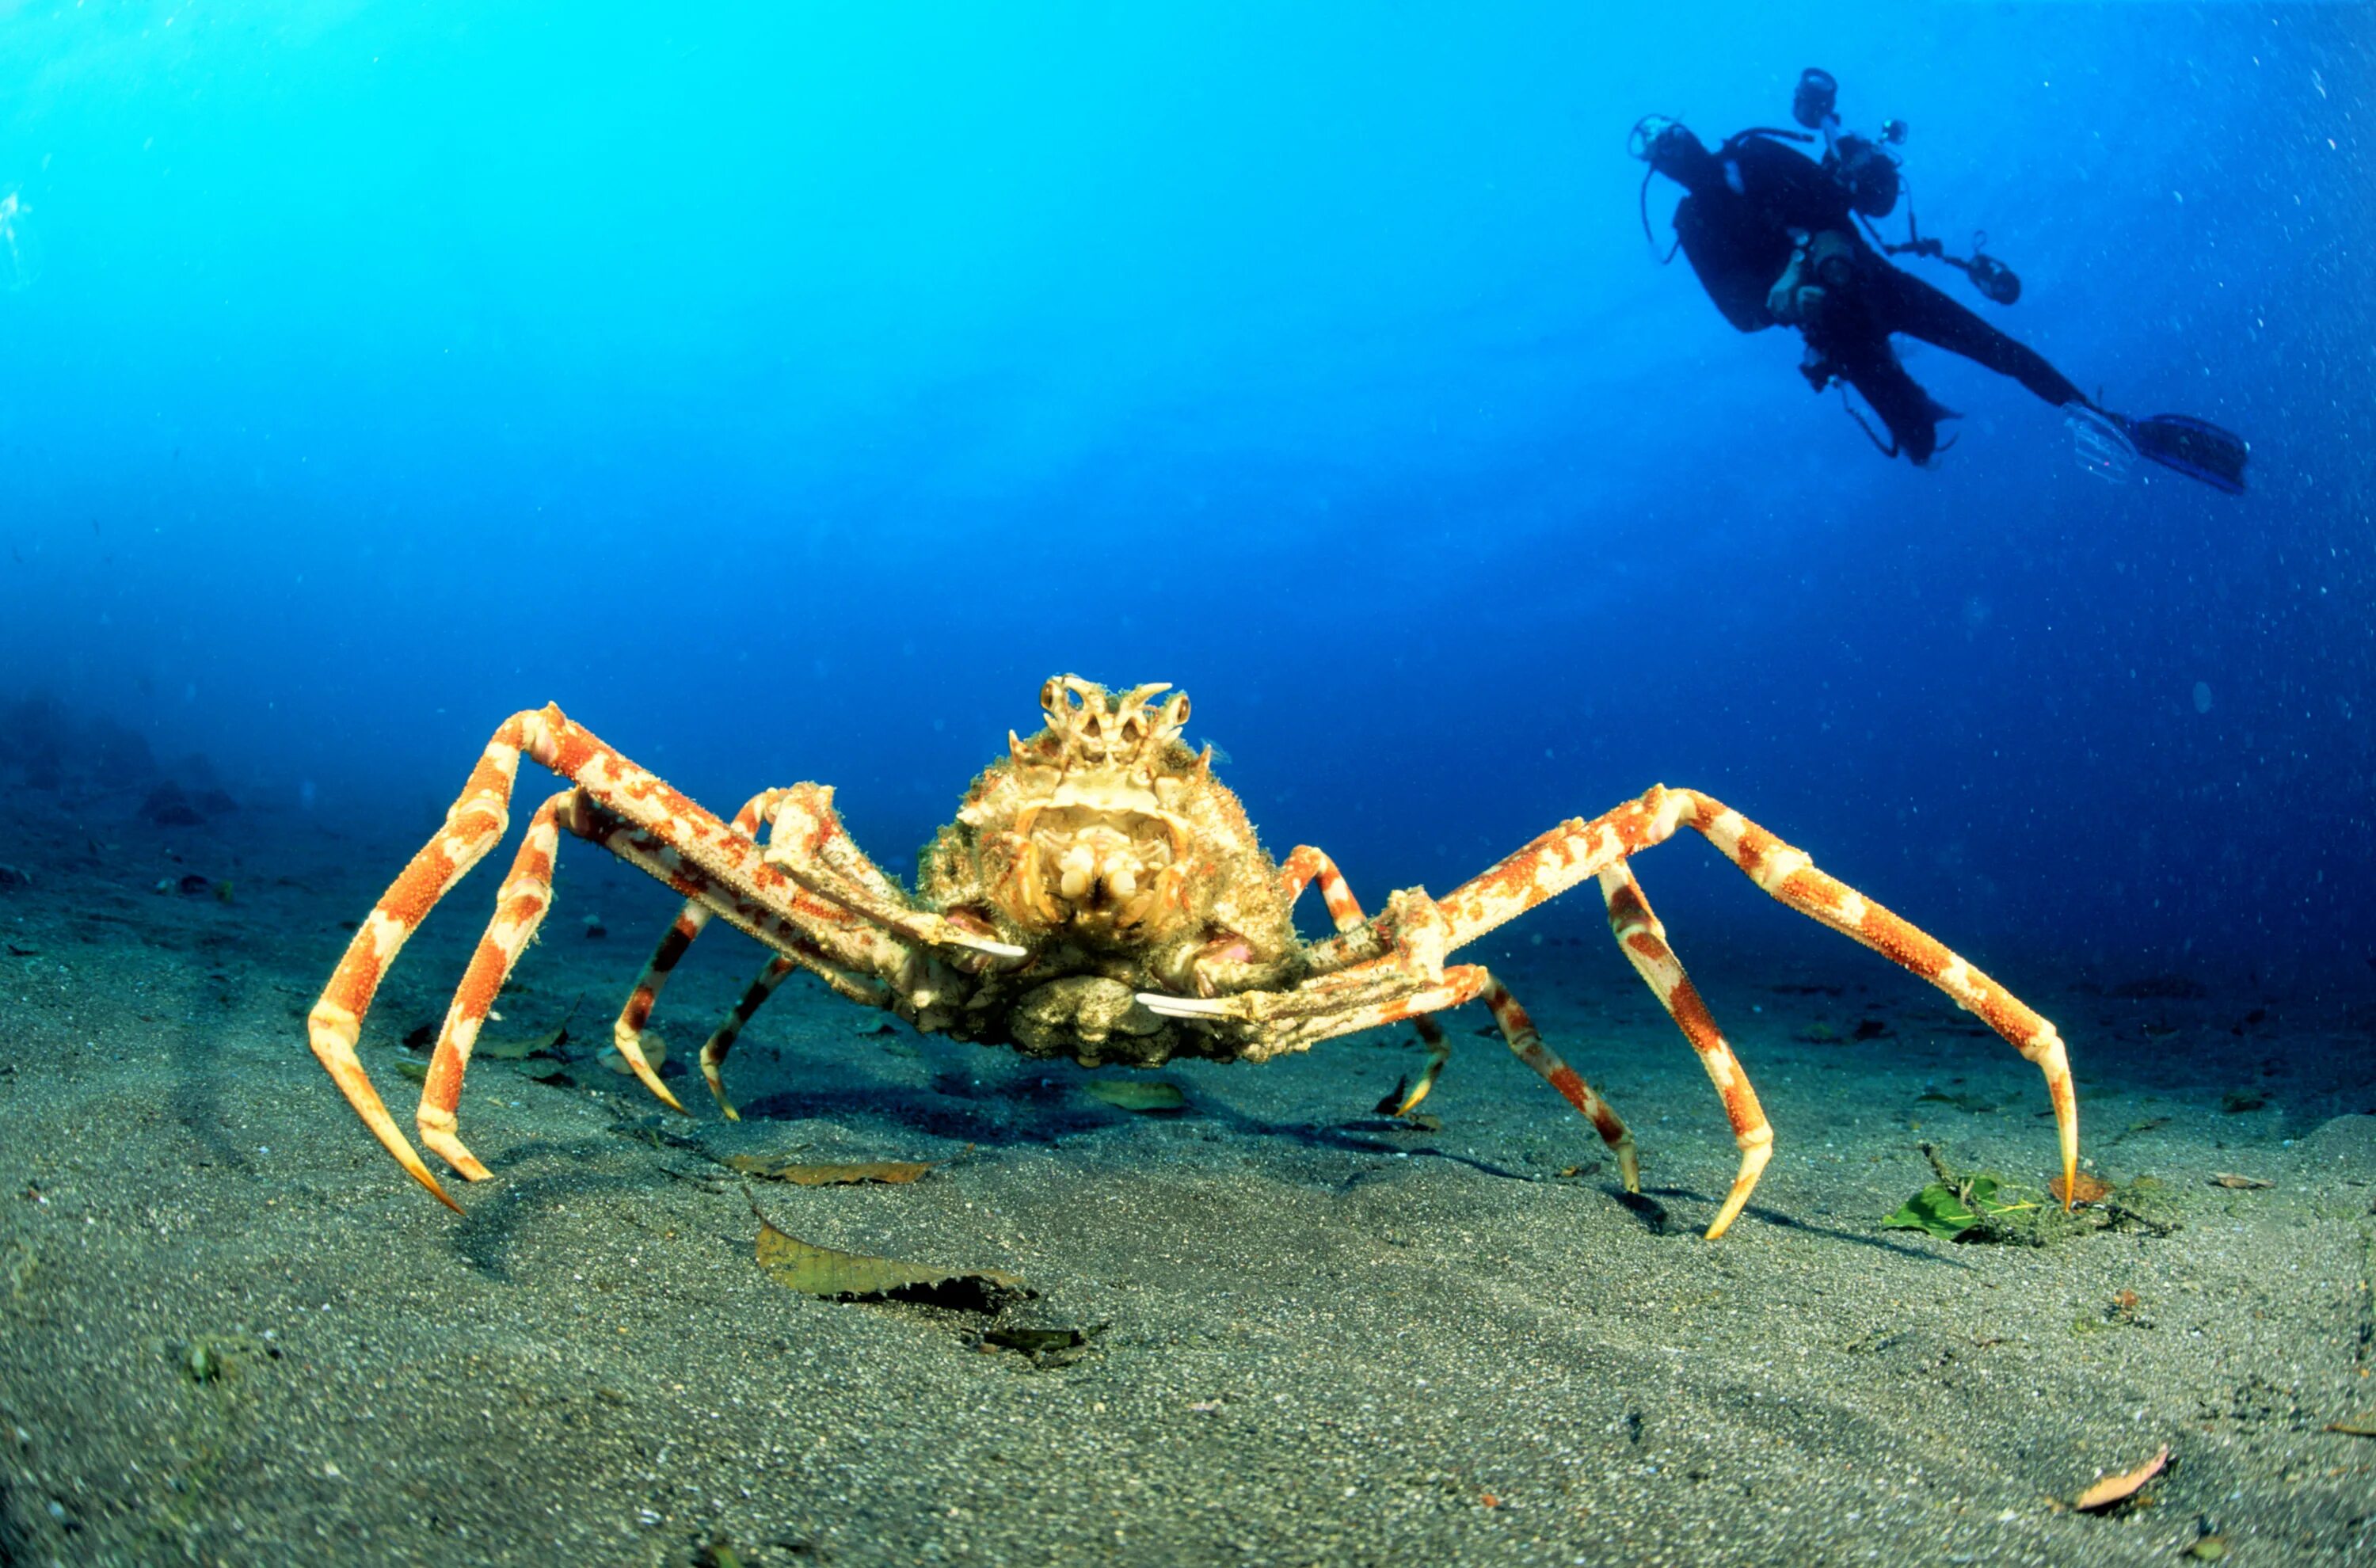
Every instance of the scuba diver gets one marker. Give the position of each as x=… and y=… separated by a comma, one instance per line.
x=1775, y=237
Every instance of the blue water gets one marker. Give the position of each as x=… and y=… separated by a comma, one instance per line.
x=787, y=394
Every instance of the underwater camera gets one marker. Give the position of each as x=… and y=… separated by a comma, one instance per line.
x=1993, y=279
x=1812, y=99
x=1869, y=173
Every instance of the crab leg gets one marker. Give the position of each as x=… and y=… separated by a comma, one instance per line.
x=807, y=843
x=1384, y=992
x=520, y=905
x=1305, y=866
x=1364, y=975
x=1578, y=850
x=1643, y=940
x=615, y=803
x=714, y=1049
x=843, y=975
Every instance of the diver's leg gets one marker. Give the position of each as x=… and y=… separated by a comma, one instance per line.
x=1905, y=304
x=1870, y=365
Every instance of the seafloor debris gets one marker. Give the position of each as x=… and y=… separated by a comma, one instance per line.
x=2121, y=1488
x=894, y=1172
x=1982, y=1207
x=1146, y=1096
x=1044, y=1348
x=2230, y=1178
x=2087, y=1189
x=854, y=1276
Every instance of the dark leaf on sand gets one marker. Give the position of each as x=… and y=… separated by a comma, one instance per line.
x=2238, y=1100
x=420, y=1037
x=854, y=1276
x=417, y=1071
x=2364, y=1426
x=894, y=1171
x=1144, y=1096
x=2121, y=1488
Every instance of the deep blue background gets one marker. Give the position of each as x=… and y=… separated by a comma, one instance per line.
x=787, y=394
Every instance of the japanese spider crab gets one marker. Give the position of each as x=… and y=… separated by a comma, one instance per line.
x=1101, y=895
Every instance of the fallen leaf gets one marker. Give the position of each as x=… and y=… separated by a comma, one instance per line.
x=891, y=1170
x=2119, y=1488
x=520, y=1050
x=2086, y=1190
x=2364, y=1426
x=1938, y=1209
x=417, y=1071
x=1146, y=1096
x=854, y=1276
x=2245, y=1183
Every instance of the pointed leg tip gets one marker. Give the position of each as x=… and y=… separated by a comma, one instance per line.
x=421, y=1174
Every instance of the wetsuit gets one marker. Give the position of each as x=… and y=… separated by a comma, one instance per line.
x=1735, y=229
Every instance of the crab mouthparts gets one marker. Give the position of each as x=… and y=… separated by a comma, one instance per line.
x=1101, y=875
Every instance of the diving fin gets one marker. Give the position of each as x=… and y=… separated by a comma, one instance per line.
x=2195, y=447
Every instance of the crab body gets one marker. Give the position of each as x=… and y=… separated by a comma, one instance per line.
x=1105, y=849
x=1101, y=895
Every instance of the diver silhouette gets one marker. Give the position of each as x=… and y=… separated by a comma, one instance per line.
x=1775, y=238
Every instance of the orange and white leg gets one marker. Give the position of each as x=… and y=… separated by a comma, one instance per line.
x=1576, y=849
x=807, y=843
x=1645, y=942
x=520, y=905
x=1519, y=1032
x=473, y=826
x=1306, y=866
x=615, y=803
x=628, y=1029
x=714, y=1050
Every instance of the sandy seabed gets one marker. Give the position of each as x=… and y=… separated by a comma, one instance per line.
x=235, y=1332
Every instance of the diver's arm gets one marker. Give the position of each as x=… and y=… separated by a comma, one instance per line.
x=1738, y=292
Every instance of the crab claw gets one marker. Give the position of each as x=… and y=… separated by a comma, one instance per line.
x=1167, y=1006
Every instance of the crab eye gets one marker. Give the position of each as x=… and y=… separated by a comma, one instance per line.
x=1175, y=712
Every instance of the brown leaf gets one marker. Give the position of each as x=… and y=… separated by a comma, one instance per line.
x=890, y=1170
x=2087, y=1190
x=2119, y=1488
x=854, y=1276
x=2229, y=1179
x=2364, y=1426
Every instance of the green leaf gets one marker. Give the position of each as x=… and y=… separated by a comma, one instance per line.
x=1146, y=1096
x=1937, y=1209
